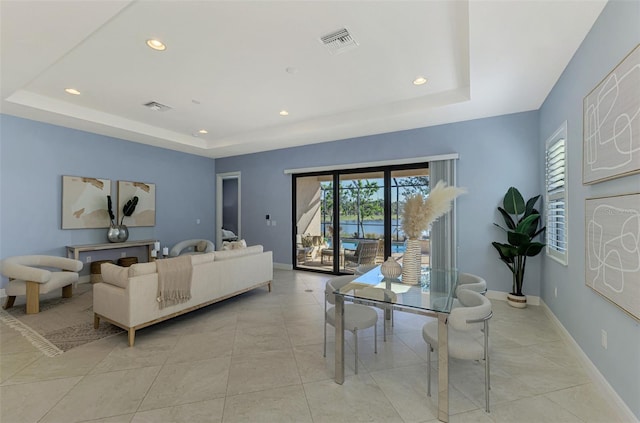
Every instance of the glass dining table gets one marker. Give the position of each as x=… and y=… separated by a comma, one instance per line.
x=432, y=296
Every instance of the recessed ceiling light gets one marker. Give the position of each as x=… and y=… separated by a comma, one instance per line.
x=419, y=80
x=203, y=131
x=72, y=91
x=284, y=113
x=156, y=44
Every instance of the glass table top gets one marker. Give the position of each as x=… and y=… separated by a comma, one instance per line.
x=433, y=293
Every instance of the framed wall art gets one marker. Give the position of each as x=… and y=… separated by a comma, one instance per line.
x=611, y=124
x=612, y=245
x=145, y=211
x=84, y=202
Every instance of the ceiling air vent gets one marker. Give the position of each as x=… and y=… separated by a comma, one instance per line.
x=156, y=107
x=339, y=41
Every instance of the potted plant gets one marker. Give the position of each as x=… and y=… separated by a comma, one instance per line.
x=522, y=223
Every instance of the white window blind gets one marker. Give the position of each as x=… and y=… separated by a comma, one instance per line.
x=556, y=195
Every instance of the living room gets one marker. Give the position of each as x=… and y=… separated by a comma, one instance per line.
x=495, y=151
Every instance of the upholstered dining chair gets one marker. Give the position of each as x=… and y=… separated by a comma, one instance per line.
x=381, y=294
x=472, y=282
x=468, y=334
x=27, y=277
x=356, y=316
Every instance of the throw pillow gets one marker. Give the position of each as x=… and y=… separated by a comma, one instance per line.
x=201, y=246
x=236, y=245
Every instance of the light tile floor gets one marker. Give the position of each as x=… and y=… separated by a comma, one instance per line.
x=258, y=358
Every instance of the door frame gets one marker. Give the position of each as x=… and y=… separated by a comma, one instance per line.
x=220, y=177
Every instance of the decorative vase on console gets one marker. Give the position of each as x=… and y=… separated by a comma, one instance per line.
x=120, y=233
x=419, y=214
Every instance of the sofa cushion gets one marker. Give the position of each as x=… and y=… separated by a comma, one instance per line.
x=140, y=269
x=202, y=258
x=115, y=275
x=231, y=254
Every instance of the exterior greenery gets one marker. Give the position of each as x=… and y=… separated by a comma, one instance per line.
x=361, y=201
x=522, y=221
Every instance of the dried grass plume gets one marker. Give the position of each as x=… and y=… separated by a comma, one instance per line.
x=419, y=213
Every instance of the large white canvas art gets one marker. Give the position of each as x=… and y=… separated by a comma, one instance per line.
x=611, y=124
x=145, y=211
x=613, y=249
x=84, y=202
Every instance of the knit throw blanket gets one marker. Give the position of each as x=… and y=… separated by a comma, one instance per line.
x=174, y=280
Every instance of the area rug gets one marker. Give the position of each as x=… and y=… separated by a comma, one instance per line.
x=61, y=324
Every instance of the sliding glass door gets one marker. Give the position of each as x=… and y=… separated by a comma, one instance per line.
x=350, y=219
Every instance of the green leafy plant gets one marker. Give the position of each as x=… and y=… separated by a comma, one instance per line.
x=522, y=223
x=128, y=208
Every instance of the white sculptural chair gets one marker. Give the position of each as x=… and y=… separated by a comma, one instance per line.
x=472, y=282
x=356, y=316
x=468, y=334
x=381, y=294
x=26, y=277
x=192, y=246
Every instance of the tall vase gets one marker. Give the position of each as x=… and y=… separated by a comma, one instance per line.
x=411, y=262
x=118, y=233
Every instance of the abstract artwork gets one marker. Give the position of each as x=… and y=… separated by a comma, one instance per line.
x=611, y=124
x=145, y=211
x=613, y=249
x=84, y=202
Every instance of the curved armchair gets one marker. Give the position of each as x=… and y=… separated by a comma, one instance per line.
x=192, y=246
x=468, y=334
x=472, y=282
x=27, y=278
x=356, y=316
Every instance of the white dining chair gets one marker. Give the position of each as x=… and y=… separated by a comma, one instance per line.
x=472, y=282
x=468, y=334
x=381, y=294
x=356, y=316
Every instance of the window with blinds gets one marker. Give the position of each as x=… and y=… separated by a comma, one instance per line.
x=556, y=195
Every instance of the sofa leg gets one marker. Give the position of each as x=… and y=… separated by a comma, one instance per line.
x=96, y=321
x=269, y=285
x=67, y=291
x=10, y=300
x=33, y=297
x=132, y=336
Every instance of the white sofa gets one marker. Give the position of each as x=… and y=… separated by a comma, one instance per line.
x=127, y=297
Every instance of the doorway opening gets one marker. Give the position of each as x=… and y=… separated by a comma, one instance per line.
x=228, y=207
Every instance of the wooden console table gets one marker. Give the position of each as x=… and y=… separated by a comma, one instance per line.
x=73, y=251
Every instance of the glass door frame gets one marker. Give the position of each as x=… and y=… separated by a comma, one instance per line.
x=336, y=174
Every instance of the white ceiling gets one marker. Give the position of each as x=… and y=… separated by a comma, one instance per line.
x=225, y=66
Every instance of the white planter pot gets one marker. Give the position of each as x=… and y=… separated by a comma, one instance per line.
x=517, y=301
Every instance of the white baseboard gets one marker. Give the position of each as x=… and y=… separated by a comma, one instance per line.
x=283, y=266
x=502, y=296
x=598, y=379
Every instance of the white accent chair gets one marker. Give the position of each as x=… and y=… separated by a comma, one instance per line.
x=356, y=316
x=468, y=334
x=381, y=294
x=472, y=282
x=27, y=278
x=192, y=246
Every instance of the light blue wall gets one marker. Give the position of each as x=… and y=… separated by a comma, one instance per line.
x=582, y=311
x=494, y=154
x=34, y=156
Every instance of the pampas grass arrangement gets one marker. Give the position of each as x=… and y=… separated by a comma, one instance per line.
x=419, y=213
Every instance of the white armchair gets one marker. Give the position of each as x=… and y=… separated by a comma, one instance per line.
x=27, y=278
x=191, y=246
